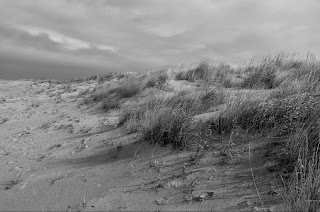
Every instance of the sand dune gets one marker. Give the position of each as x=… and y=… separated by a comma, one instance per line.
x=57, y=154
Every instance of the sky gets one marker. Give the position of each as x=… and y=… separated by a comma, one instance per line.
x=68, y=38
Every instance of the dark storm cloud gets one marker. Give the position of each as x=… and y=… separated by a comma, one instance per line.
x=136, y=35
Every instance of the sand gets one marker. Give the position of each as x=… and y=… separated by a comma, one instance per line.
x=60, y=155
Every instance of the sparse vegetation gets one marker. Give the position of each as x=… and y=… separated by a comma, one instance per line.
x=157, y=80
x=276, y=96
x=283, y=116
x=200, y=72
x=111, y=94
x=166, y=118
x=303, y=192
x=289, y=112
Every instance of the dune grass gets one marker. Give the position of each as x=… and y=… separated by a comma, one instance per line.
x=200, y=72
x=294, y=119
x=283, y=116
x=303, y=192
x=289, y=112
x=166, y=119
x=113, y=94
x=292, y=109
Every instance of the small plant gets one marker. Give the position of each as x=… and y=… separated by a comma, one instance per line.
x=111, y=102
x=105, y=77
x=283, y=116
x=303, y=194
x=262, y=76
x=111, y=95
x=158, y=80
x=180, y=75
x=166, y=119
x=211, y=98
x=125, y=90
x=201, y=72
x=166, y=126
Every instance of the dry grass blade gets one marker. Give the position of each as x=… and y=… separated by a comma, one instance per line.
x=253, y=178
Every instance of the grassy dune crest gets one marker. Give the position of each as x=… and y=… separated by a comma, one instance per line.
x=277, y=96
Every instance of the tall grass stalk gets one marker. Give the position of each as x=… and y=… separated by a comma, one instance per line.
x=304, y=189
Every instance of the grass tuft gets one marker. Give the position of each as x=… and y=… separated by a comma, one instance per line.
x=201, y=72
x=303, y=193
x=166, y=119
x=165, y=116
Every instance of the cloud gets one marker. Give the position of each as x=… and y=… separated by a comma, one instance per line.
x=136, y=35
x=168, y=30
x=64, y=41
x=47, y=38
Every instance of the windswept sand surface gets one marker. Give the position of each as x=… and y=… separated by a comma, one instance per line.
x=56, y=154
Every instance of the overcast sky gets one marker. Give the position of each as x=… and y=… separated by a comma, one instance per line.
x=77, y=36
